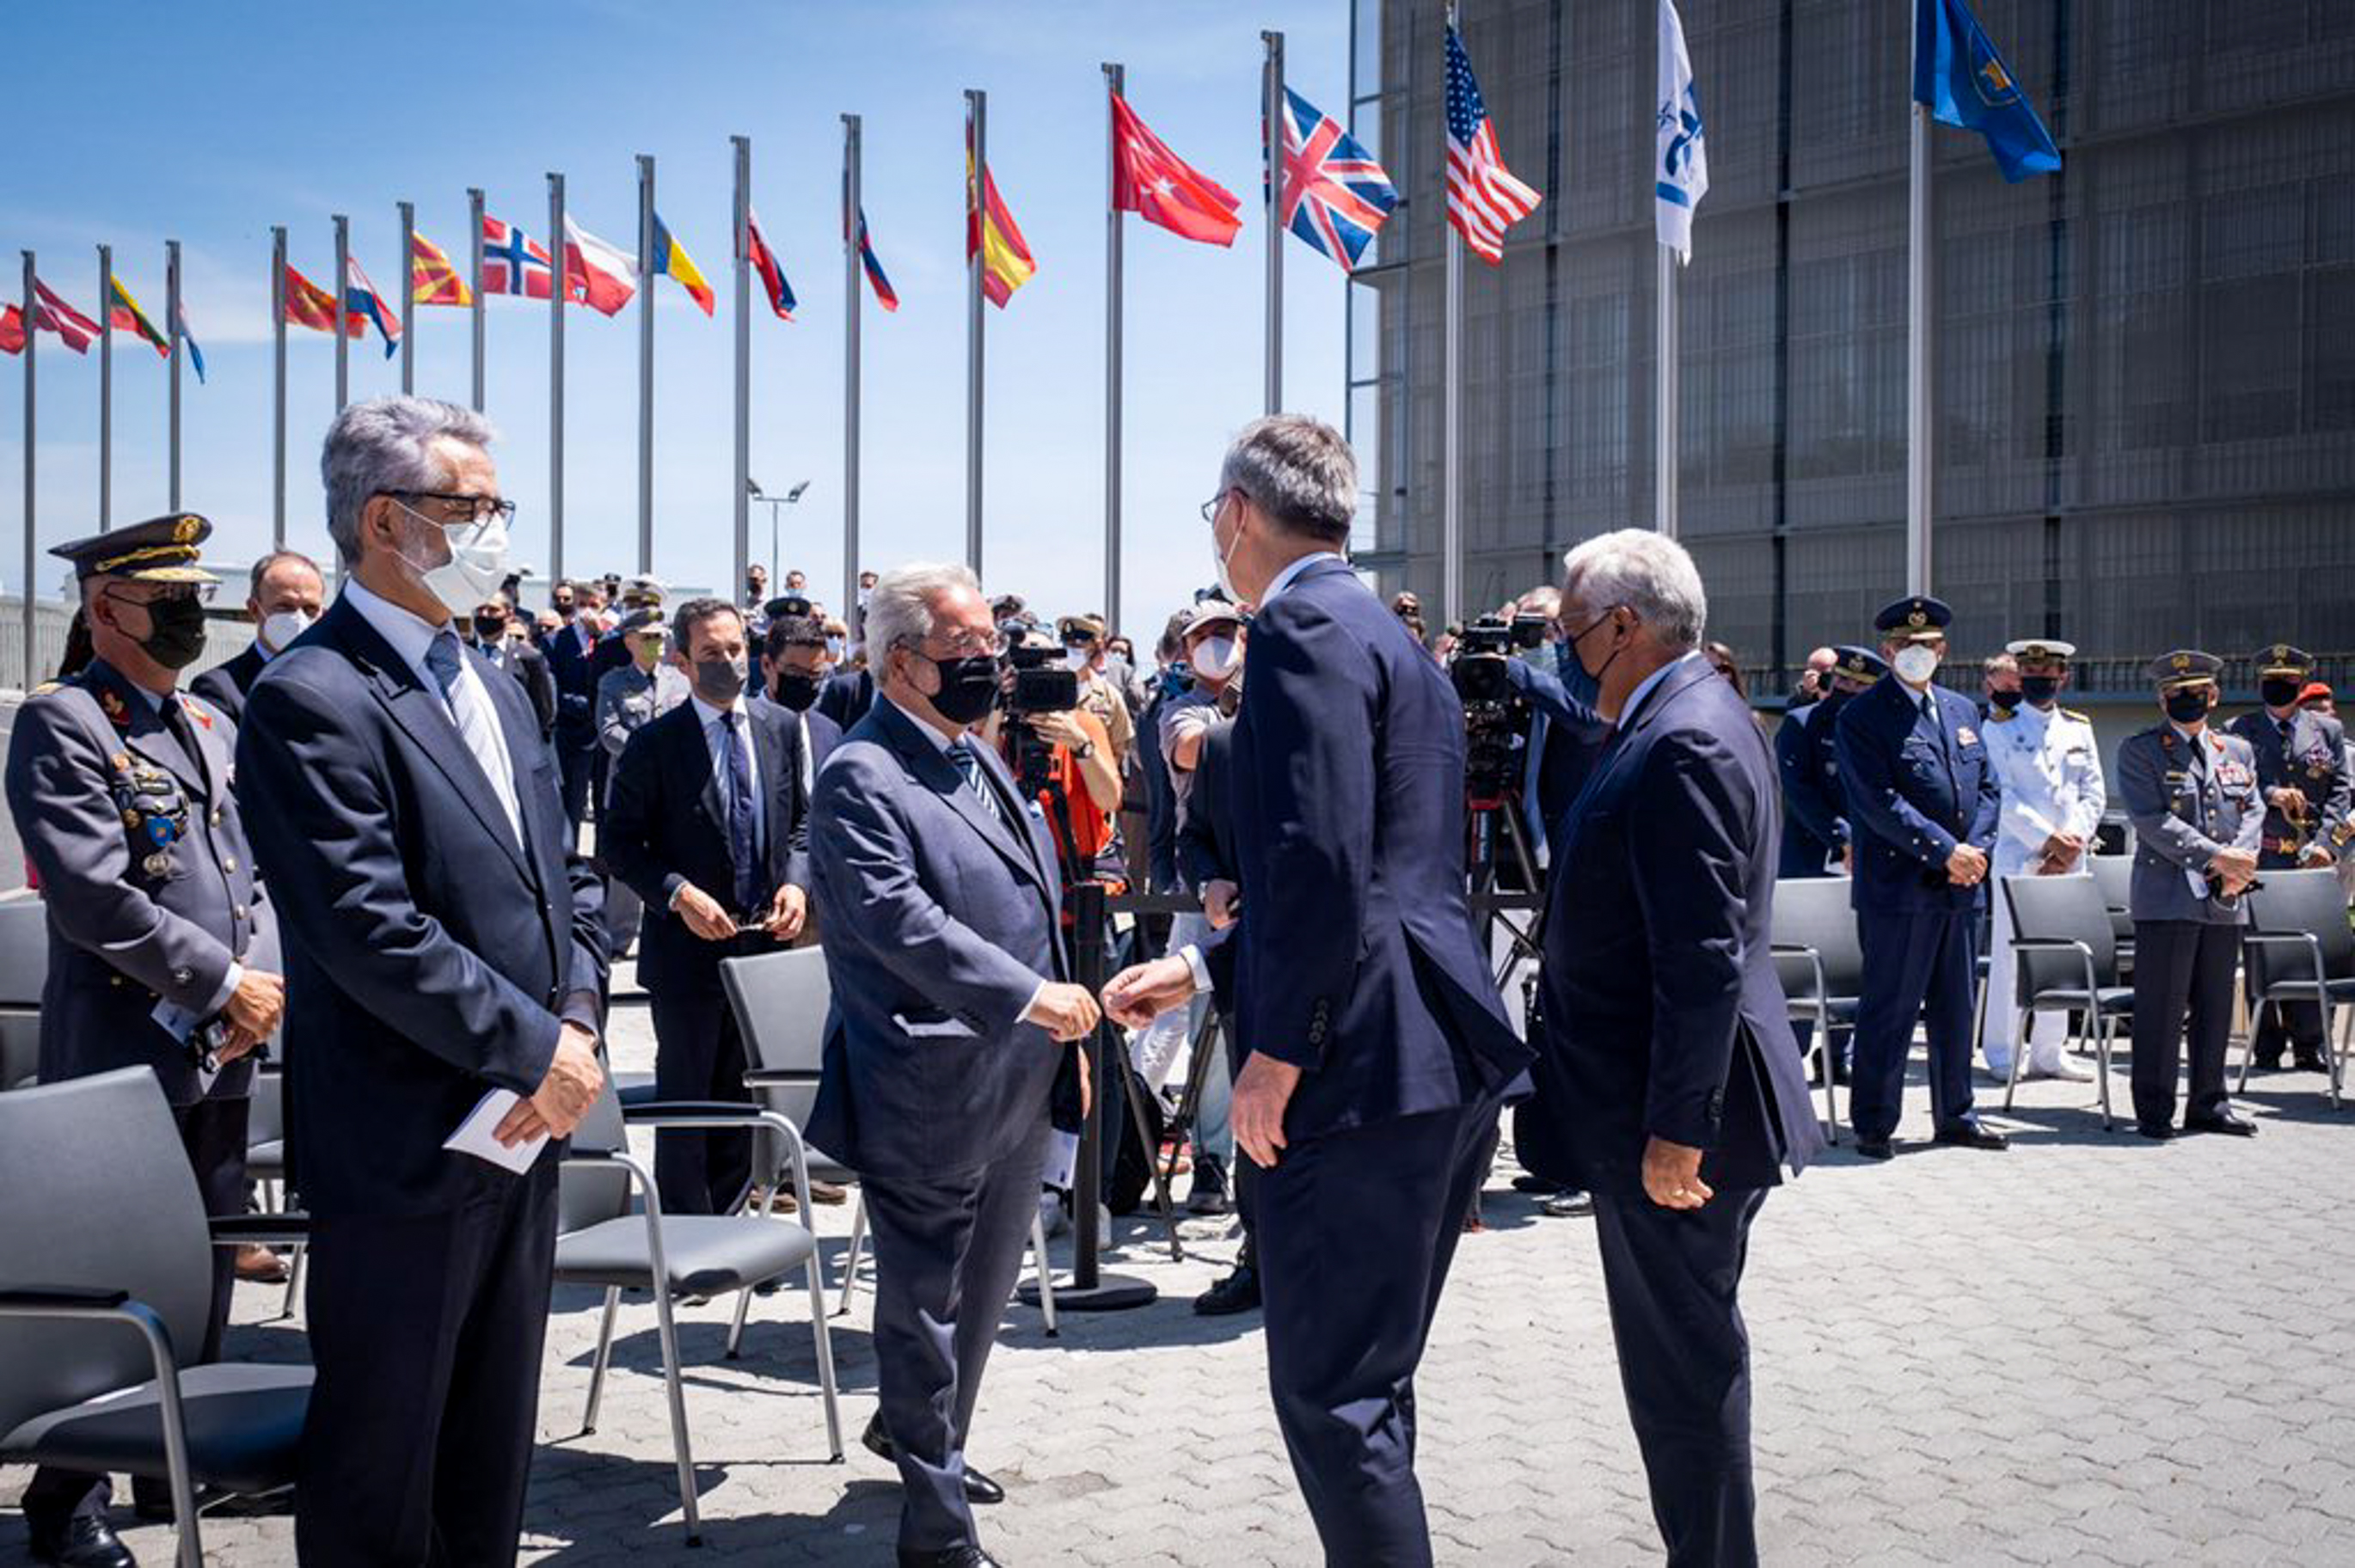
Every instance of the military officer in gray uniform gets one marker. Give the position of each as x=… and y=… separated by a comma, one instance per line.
x=628, y=699
x=163, y=952
x=2191, y=791
x=2302, y=773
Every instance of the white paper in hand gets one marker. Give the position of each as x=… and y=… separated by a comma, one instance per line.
x=474, y=1135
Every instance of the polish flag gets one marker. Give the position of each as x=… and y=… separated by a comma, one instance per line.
x=596, y=274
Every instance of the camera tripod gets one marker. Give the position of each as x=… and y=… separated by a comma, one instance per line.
x=1497, y=846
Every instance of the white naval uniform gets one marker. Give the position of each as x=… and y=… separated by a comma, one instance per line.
x=2048, y=769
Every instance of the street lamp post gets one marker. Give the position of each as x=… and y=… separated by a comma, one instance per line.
x=753, y=488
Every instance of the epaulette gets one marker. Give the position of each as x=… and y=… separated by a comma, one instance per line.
x=46, y=687
x=2073, y=713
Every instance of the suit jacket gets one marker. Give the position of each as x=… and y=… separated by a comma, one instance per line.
x=529, y=665
x=1663, y=1014
x=2188, y=800
x=2311, y=759
x=928, y=1069
x=1815, y=827
x=846, y=696
x=573, y=669
x=146, y=877
x=1355, y=959
x=225, y=684
x=1573, y=736
x=667, y=823
x=1914, y=788
x=430, y=956
x=1205, y=838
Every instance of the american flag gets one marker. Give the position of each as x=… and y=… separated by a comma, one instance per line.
x=1484, y=199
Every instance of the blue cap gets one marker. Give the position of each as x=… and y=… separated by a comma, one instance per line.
x=1917, y=616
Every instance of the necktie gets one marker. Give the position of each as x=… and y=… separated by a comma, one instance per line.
x=175, y=720
x=740, y=822
x=1929, y=708
x=968, y=762
x=475, y=722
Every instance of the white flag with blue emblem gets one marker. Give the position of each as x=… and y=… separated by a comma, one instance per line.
x=1681, y=168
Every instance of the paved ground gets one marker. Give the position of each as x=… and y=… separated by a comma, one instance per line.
x=2087, y=1349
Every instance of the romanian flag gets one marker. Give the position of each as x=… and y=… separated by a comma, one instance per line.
x=12, y=330
x=772, y=276
x=1006, y=261
x=128, y=317
x=432, y=278
x=672, y=258
x=308, y=304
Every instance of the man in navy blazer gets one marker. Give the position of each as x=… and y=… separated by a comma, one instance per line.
x=441, y=943
x=1922, y=807
x=572, y=651
x=1676, y=1092
x=951, y=998
x=1377, y=1050
x=707, y=820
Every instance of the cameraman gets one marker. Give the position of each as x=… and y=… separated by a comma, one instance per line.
x=1078, y=786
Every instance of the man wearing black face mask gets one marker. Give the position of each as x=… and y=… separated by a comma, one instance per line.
x=162, y=949
x=708, y=825
x=516, y=655
x=792, y=670
x=2302, y=775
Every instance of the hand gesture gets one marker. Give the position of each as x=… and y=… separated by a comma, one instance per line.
x=1219, y=898
x=1967, y=867
x=703, y=914
x=1059, y=730
x=2287, y=799
x=1143, y=992
x=1066, y=1012
x=572, y=1085
x=788, y=912
x=1672, y=1175
x=1263, y=1090
x=254, y=1008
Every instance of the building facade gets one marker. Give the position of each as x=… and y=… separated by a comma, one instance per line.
x=2144, y=365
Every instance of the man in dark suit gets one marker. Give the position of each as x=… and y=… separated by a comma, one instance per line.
x=707, y=821
x=572, y=660
x=283, y=603
x=793, y=669
x=848, y=694
x=501, y=649
x=444, y=945
x=1379, y=1052
x=1924, y=805
x=162, y=948
x=1675, y=1087
x=950, y=987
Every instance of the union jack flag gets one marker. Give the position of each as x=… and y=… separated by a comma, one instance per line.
x=1334, y=197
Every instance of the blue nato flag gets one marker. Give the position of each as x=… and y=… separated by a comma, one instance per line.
x=1962, y=78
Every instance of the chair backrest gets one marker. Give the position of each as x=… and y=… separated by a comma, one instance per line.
x=2113, y=874
x=24, y=950
x=781, y=1000
x=1813, y=912
x=2295, y=902
x=96, y=1193
x=2060, y=908
x=589, y=1194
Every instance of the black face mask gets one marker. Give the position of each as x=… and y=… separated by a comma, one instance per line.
x=1834, y=699
x=2040, y=689
x=2277, y=692
x=2004, y=701
x=795, y=692
x=968, y=686
x=490, y=628
x=2187, y=706
x=176, y=635
x=1573, y=644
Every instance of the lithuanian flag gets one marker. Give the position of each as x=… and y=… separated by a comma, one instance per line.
x=128, y=317
x=1005, y=261
x=669, y=258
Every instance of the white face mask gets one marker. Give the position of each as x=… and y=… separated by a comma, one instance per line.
x=477, y=566
x=1215, y=658
x=1915, y=664
x=280, y=627
x=1077, y=658
x=1226, y=588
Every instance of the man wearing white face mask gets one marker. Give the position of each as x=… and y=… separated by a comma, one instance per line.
x=1082, y=637
x=286, y=594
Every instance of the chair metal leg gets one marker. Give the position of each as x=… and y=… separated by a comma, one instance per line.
x=2249, y=1048
x=822, y=1336
x=1045, y=1274
x=2020, y=1021
x=603, y=1357
x=294, y=1284
x=2104, y=1044
x=2329, y=1048
x=1831, y=1075
x=850, y=1261
x=678, y=1392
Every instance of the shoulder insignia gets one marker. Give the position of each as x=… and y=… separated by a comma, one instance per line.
x=47, y=686
x=198, y=711
x=111, y=703
x=2073, y=713
x=1963, y=736
x=2001, y=718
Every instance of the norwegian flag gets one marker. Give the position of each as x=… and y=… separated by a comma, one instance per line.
x=1484, y=199
x=513, y=262
x=1334, y=197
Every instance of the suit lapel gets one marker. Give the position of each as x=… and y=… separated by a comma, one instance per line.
x=932, y=765
x=778, y=779
x=145, y=734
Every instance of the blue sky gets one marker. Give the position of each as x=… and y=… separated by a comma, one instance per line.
x=212, y=122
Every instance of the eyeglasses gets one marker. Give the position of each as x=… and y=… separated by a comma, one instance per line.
x=458, y=509
x=971, y=645
x=165, y=592
x=1210, y=508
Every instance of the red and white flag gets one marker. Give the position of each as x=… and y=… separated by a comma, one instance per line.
x=597, y=274
x=53, y=315
x=513, y=261
x=1484, y=198
x=1158, y=186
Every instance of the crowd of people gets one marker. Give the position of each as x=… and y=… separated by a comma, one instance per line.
x=403, y=838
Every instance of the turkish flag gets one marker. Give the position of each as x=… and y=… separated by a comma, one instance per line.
x=12, y=330
x=1161, y=188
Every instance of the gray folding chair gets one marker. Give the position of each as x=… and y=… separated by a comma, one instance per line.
x=106, y=1279
x=2067, y=961
x=2299, y=948
x=265, y=1159
x=781, y=1001
x=2113, y=874
x=24, y=967
x=1821, y=962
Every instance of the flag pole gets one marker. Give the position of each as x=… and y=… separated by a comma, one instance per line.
x=976, y=105
x=1664, y=376
x=1451, y=509
x=105, y=388
x=31, y=308
x=407, y=298
x=172, y=377
x=278, y=384
x=343, y=312
x=854, y=237
x=1116, y=84
x=645, y=362
x=475, y=282
x=1271, y=130
x=1918, y=481
x=742, y=147
x=557, y=287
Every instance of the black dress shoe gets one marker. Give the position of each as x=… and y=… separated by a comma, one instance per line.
x=2308, y=1058
x=1536, y=1185
x=2269, y=1061
x=1970, y=1135
x=948, y=1557
x=1237, y=1292
x=2156, y=1132
x=1875, y=1148
x=979, y=1487
x=2229, y=1122
x=85, y=1543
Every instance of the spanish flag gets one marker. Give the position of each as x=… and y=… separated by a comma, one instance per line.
x=669, y=258
x=129, y=317
x=1005, y=261
x=432, y=278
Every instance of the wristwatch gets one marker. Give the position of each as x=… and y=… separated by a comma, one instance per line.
x=1086, y=751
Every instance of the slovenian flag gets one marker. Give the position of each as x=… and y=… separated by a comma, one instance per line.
x=671, y=259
